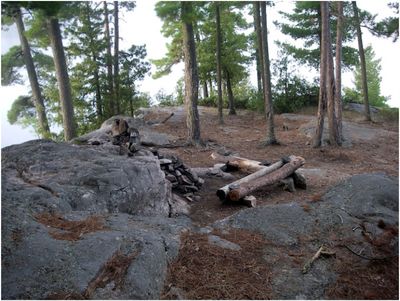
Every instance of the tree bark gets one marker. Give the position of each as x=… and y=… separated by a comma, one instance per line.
x=110, y=83
x=231, y=100
x=64, y=86
x=257, y=22
x=224, y=192
x=205, y=90
x=269, y=111
x=338, y=65
x=191, y=76
x=239, y=163
x=317, y=140
x=44, y=128
x=330, y=81
x=219, y=77
x=362, y=62
x=116, y=58
x=257, y=30
x=99, y=104
x=247, y=187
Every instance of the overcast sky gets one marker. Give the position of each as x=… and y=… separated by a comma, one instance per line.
x=142, y=26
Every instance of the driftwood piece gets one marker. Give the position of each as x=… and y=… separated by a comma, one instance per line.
x=248, y=185
x=238, y=163
x=321, y=251
x=223, y=192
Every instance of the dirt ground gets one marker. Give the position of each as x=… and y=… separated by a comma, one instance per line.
x=243, y=134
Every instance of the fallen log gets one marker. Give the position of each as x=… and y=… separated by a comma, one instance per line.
x=248, y=185
x=238, y=163
x=223, y=192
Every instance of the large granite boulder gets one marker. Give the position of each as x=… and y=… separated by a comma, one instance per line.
x=120, y=206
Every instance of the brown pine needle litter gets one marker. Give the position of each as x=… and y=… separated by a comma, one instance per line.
x=69, y=230
x=206, y=271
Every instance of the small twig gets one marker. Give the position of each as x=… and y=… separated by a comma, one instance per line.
x=321, y=251
x=341, y=219
x=355, y=228
x=366, y=257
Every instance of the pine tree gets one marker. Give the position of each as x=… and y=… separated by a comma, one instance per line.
x=191, y=75
x=305, y=24
x=374, y=79
x=14, y=11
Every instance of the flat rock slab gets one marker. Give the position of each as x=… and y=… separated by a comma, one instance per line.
x=130, y=196
x=367, y=199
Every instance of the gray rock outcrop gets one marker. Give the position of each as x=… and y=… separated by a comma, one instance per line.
x=129, y=195
x=362, y=203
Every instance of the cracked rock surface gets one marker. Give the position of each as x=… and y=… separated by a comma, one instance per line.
x=129, y=195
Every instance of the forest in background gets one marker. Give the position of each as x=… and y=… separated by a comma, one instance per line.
x=80, y=77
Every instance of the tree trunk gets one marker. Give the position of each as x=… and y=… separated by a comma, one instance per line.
x=362, y=62
x=116, y=59
x=64, y=86
x=338, y=65
x=246, y=187
x=317, y=140
x=33, y=80
x=330, y=81
x=269, y=112
x=191, y=75
x=257, y=30
x=257, y=22
x=205, y=90
x=110, y=83
x=219, y=77
x=223, y=192
x=99, y=105
x=231, y=100
x=238, y=163
x=210, y=85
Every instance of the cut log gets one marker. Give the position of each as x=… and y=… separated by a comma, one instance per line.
x=247, y=186
x=222, y=193
x=299, y=180
x=238, y=163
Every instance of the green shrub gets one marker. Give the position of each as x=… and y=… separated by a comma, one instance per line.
x=210, y=101
x=389, y=114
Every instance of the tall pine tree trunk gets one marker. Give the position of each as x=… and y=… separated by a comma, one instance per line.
x=362, y=62
x=257, y=22
x=110, y=82
x=269, y=111
x=231, y=100
x=64, y=86
x=205, y=89
x=33, y=80
x=317, y=140
x=191, y=75
x=211, y=91
x=338, y=64
x=219, y=77
x=257, y=29
x=116, y=59
x=330, y=82
x=99, y=105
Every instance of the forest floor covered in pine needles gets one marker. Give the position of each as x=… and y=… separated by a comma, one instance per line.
x=214, y=273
